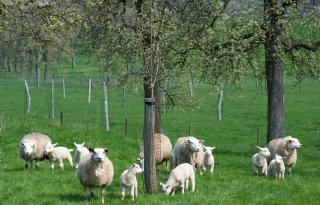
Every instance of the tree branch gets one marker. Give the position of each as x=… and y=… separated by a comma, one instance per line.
x=302, y=45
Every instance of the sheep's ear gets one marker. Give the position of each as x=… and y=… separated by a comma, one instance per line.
x=91, y=149
x=212, y=148
x=161, y=184
x=54, y=144
x=201, y=141
x=22, y=144
x=75, y=144
x=106, y=150
x=259, y=148
x=82, y=144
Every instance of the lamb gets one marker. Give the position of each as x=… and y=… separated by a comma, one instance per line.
x=60, y=154
x=276, y=167
x=32, y=148
x=80, y=152
x=286, y=147
x=95, y=170
x=208, y=159
x=259, y=160
x=188, y=150
x=128, y=179
x=180, y=176
x=165, y=150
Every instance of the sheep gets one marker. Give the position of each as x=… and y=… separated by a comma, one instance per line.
x=80, y=152
x=95, y=170
x=180, y=176
x=32, y=147
x=208, y=159
x=58, y=153
x=128, y=179
x=276, y=167
x=188, y=150
x=286, y=147
x=259, y=160
x=165, y=150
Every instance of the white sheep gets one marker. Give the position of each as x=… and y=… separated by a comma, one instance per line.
x=32, y=147
x=287, y=148
x=180, y=176
x=188, y=150
x=60, y=154
x=165, y=150
x=128, y=180
x=259, y=160
x=80, y=152
x=276, y=167
x=208, y=159
x=95, y=170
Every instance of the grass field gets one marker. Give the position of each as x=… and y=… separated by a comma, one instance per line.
x=244, y=110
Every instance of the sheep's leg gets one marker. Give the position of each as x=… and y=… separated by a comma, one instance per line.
x=123, y=192
x=282, y=175
x=103, y=190
x=211, y=169
x=84, y=192
x=174, y=190
x=289, y=170
x=70, y=161
x=203, y=168
x=26, y=164
x=136, y=191
x=37, y=164
x=91, y=193
x=182, y=186
x=187, y=184
x=61, y=163
x=167, y=166
x=193, y=183
x=77, y=165
x=52, y=164
x=265, y=170
x=132, y=193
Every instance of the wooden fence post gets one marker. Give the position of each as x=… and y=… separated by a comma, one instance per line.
x=28, y=98
x=52, y=99
x=106, y=110
x=124, y=96
x=149, y=147
x=63, y=89
x=190, y=130
x=89, y=88
x=61, y=119
x=219, y=114
x=126, y=126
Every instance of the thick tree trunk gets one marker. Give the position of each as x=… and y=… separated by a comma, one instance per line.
x=46, y=63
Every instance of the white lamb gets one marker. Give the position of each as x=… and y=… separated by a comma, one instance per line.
x=95, y=170
x=188, y=150
x=276, y=167
x=60, y=154
x=287, y=148
x=80, y=152
x=32, y=147
x=128, y=180
x=259, y=160
x=180, y=176
x=208, y=159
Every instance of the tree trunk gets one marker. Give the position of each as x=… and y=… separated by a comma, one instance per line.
x=46, y=63
x=23, y=66
x=37, y=60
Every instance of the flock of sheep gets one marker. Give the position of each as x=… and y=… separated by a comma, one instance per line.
x=95, y=169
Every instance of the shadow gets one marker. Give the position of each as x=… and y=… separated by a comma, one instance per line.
x=71, y=197
x=10, y=170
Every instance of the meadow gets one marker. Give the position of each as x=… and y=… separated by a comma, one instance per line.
x=235, y=139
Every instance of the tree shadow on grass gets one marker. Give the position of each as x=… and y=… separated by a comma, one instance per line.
x=71, y=197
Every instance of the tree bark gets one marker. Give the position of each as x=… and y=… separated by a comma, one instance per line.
x=46, y=63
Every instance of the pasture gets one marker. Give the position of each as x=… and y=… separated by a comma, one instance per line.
x=235, y=139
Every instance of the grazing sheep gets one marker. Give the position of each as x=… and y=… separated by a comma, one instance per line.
x=128, y=179
x=188, y=150
x=286, y=147
x=32, y=147
x=276, y=167
x=95, y=170
x=80, y=152
x=180, y=176
x=60, y=154
x=208, y=159
x=259, y=160
x=165, y=150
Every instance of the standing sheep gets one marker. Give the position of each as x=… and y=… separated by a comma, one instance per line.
x=259, y=160
x=32, y=147
x=208, y=159
x=60, y=154
x=188, y=150
x=180, y=176
x=95, y=170
x=276, y=167
x=128, y=179
x=165, y=150
x=80, y=152
x=287, y=148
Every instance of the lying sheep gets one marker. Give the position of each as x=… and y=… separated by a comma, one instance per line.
x=60, y=154
x=259, y=160
x=128, y=180
x=276, y=167
x=95, y=170
x=180, y=176
x=208, y=159
x=165, y=150
x=80, y=152
x=188, y=150
x=286, y=147
x=32, y=147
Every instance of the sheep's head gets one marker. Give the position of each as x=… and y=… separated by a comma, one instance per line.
x=27, y=147
x=136, y=168
x=78, y=147
x=208, y=150
x=98, y=154
x=279, y=159
x=264, y=151
x=166, y=188
x=293, y=143
x=49, y=147
x=194, y=144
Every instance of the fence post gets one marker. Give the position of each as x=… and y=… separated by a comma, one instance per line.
x=89, y=92
x=106, y=111
x=190, y=130
x=63, y=89
x=61, y=119
x=28, y=98
x=124, y=96
x=219, y=106
x=149, y=147
x=52, y=99
x=126, y=126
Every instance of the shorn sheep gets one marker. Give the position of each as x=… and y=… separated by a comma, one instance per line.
x=276, y=167
x=259, y=160
x=165, y=150
x=79, y=153
x=188, y=150
x=32, y=148
x=128, y=180
x=208, y=159
x=95, y=170
x=180, y=176
x=287, y=148
x=60, y=154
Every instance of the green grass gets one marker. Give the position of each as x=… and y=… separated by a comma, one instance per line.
x=244, y=111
